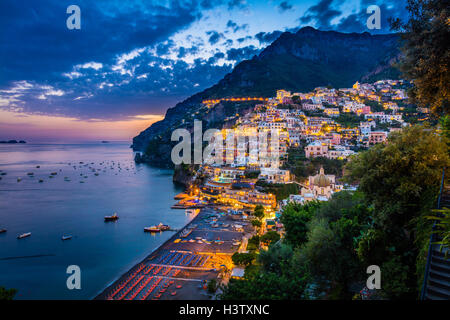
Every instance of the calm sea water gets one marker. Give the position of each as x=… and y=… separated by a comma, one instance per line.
x=36, y=266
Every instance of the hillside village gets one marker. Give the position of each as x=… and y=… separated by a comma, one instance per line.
x=317, y=134
x=326, y=124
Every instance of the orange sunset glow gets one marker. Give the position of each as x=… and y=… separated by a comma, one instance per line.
x=14, y=125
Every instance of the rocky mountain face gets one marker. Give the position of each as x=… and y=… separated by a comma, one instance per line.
x=297, y=62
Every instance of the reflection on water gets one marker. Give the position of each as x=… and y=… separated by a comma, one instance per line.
x=67, y=190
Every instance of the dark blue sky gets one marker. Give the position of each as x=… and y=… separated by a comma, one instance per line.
x=134, y=58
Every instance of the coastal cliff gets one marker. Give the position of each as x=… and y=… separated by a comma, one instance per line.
x=297, y=62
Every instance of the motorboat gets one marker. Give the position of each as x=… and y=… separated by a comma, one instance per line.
x=114, y=217
x=152, y=229
x=63, y=238
x=24, y=235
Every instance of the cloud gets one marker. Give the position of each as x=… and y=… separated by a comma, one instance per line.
x=267, y=37
x=327, y=15
x=38, y=39
x=134, y=58
x=214, y=36
x=240, y=4
x=322, y=14
x=239, y=54
x=235, y=27
x=284, y=6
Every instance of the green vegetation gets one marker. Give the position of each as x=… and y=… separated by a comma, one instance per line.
x=7, y=294
x=401, y=180
x=212, y=286
x=328, y=245
x=256, y=223
x=281, y=191
x=252, y=174
x=375, y=106
x=270, y=237
x=253, y=243
x=442, y=218
x=243, y=259
x=349, y=120
x=302, y=167
x=259, y=212
x=426, y=57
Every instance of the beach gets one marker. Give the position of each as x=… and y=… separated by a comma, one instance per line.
x=181, y=267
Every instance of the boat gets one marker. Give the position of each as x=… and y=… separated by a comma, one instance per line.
x=2, y=230
x=24, y=235
x=66, y=238
x=152, y=229
x=163, y=227
x=114, y=217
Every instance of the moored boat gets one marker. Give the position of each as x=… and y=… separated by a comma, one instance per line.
x=163, y=227
x=2, y=230
x=152, y=229
x=114, y=217
x=63, y=238
x=24, y=235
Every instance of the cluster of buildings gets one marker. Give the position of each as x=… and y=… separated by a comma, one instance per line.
x=258, y=144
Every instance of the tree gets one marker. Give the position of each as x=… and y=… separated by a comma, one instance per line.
x=256, y=223
x=401, y=177
x=276, y=258
x=212, y=286
x=295, y=218
x=243, y=259
x=7, y=294
x=401, y=180
x=253, y=242
x=426, y=52
x=259, y=211
x=278, y=278
x=330, y=255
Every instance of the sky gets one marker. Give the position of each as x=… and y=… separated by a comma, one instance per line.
x=132, y=60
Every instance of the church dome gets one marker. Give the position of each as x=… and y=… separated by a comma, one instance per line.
x=321, y=180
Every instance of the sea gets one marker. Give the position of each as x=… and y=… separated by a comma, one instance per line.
x=55, y=190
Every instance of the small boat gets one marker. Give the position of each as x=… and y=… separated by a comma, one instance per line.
x=2, y=230
x=24, y=235
x=63, y=238
x=163, y=227
x=114, y=217
x=152, y=229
